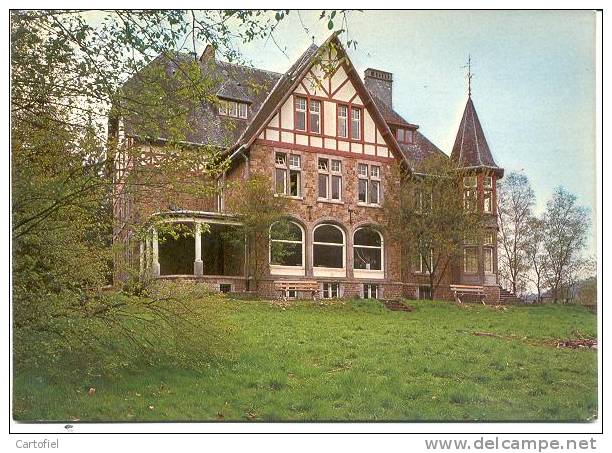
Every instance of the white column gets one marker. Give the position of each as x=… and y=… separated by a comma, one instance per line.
x=155, y=271
x=198, y=265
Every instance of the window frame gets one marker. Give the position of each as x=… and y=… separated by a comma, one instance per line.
x=465, y=259
x=282, y=269
x=288, y=169
x=328, y=293
x=329, y=174
x=305, y=111
x=488, y=250
x=370, y=273
x=322, y=271
x=368, y=182
x=367, y=293
x=421, y=269
x=318, y=113
x=360, y=121
x=345, y=118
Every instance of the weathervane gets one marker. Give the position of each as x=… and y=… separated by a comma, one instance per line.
x=469, y=74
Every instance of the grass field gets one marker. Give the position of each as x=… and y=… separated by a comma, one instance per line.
x=346, y=360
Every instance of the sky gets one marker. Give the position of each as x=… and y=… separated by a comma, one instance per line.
x=533, y=82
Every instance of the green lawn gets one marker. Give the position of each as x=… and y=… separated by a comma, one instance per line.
x=346, y=360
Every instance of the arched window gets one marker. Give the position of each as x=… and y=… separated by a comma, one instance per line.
x=328, y=249
x=286, y=248
x=368, y=252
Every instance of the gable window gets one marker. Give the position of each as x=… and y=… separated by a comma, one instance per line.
x=330, y=290
x=470, y=260
x=287, y=174
x=242, y=110
x=330, y=179
x=368, y=184
x=233, y=108
x=315, y=116
x=300, y=113
x=355, y=123
x=488, y=194
x=287, y=248
x=469, y=193
x=370, y=291
x=404, y=135
x=328, y=247
x=367, y=250
x=342, y=121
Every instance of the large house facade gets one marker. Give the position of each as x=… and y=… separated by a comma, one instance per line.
x=328, y=141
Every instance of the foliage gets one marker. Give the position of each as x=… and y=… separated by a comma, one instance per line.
x=536, y=255
x=257, y=207
x=515, y=199
x=281, y=363
x=68, y=77
x=565, y=224
x=427, y=216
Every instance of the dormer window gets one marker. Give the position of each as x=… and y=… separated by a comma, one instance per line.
x=404, y=135
x=233, y=109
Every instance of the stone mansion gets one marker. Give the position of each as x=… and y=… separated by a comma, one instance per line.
x=328, y=142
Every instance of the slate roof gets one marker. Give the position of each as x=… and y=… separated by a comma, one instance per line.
x=275, y=96
x=390, y=115
x=231, y=81
x=471, y=149
x=264, y=90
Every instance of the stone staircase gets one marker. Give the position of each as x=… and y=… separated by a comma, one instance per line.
x=507, y=297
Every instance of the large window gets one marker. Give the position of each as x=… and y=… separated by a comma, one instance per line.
x=368, y=184
x=328, y=248
x=368, y=249
x=330, y=179
x=300, y=113
x=342, y=121
x=287, y=174
x=355, y=123
x=488, y=260
x=287, y=248
x=470, y=260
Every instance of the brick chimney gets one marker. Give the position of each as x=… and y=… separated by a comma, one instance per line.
x=208, y=54
x=380, y=83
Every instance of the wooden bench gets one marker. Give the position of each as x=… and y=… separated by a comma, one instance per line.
x=284, y=286
x=467, y=290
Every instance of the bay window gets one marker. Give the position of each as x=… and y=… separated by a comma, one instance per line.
x=488, y=194
x=470, y=197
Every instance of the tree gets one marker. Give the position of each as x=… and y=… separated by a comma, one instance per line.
x=257, y=207
x=535, y=254
x=565, y=225
x=515, y=199
x=426, y=215
x=68, y=74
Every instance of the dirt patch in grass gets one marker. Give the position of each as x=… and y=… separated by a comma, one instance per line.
x=575, y=343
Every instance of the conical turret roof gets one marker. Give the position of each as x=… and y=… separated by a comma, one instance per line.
x=471, y=149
